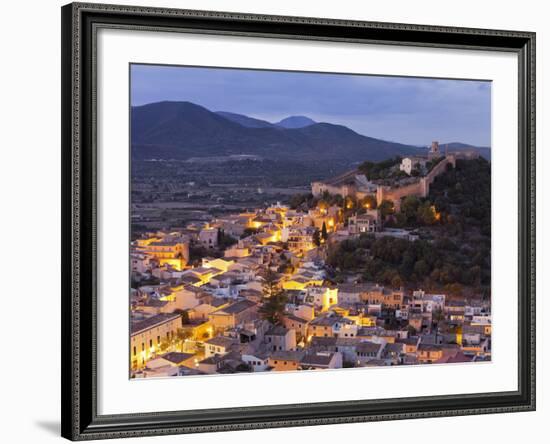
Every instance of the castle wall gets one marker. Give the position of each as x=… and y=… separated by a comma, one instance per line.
x=318, y=188
x=419, y=189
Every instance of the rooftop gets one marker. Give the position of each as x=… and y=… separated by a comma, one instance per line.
x=277, y=330
x=236, y=308
x=368, y=347
x=176, y=357
x=359, y=288
x=153, y=321
x=287, y=355
x=317, y=359
x=221, y=341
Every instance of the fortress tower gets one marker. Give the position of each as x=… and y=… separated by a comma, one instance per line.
x=434, y=150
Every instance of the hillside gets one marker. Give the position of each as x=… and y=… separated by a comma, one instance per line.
x=180, y=130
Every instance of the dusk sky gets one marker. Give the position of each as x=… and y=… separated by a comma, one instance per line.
x=407, y=110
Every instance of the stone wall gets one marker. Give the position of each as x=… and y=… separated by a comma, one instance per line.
x=419, y=189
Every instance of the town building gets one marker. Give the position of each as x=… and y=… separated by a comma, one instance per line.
x=147, y=336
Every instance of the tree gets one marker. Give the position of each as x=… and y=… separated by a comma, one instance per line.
x=409, y=207
x=299, y=199
x=396, y=281
x=378, y=170
x=316, y=238
x=369, y=202
x=274, y=307
x=437, y=317
x=324, y=233
x=165, y=345
x=225, y=240
x=421, y=268
x=249, y=232
x=274, y=299
x=349, y=203
x=270, y=285
x=386, y=208
x=181, y=336
x=426, y=214
x=184, y=315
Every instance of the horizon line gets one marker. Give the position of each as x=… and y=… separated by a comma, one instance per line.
x=302, y=115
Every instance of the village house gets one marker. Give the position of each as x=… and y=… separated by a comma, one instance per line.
x=299, y=325
x=416, y=321
x=208, y=237
x=368, y=351
x=321, y=360
x=369, y=222
x=232, y=315
x=301, y=282
x=236, y=251
x=322, y=326
x=258, y=361
x=410, y=344
x=423, y=302
x=323, y=216
x=140, y=263
x=455, y=310
x=147, y=335
x=171, y=250
x=177, y=359
x=217, y=363
x=218, y=263
x=321, y=297
x=429, y=353
x=279, y=338
x=282, y=361
x=392, y=353
x=200, y=312
x=299, y=239
x=218, y=345
x=346, y=346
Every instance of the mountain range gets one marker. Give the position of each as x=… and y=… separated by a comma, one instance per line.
x=180, y=130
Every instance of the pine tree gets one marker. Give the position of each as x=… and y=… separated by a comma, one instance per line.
x=324, y=233
x=274, y=299
x=316, y=238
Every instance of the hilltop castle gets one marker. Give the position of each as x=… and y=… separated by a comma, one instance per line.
x=355, y=184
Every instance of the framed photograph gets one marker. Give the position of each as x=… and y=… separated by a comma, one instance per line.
x=281, y=221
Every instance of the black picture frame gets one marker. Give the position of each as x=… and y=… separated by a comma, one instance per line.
x=80, y=420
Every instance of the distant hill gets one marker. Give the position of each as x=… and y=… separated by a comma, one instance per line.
x=484, y=151
x=248, y=122
x=182, y=130
x=293, y=122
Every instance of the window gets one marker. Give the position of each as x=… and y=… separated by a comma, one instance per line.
x=135, y=351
